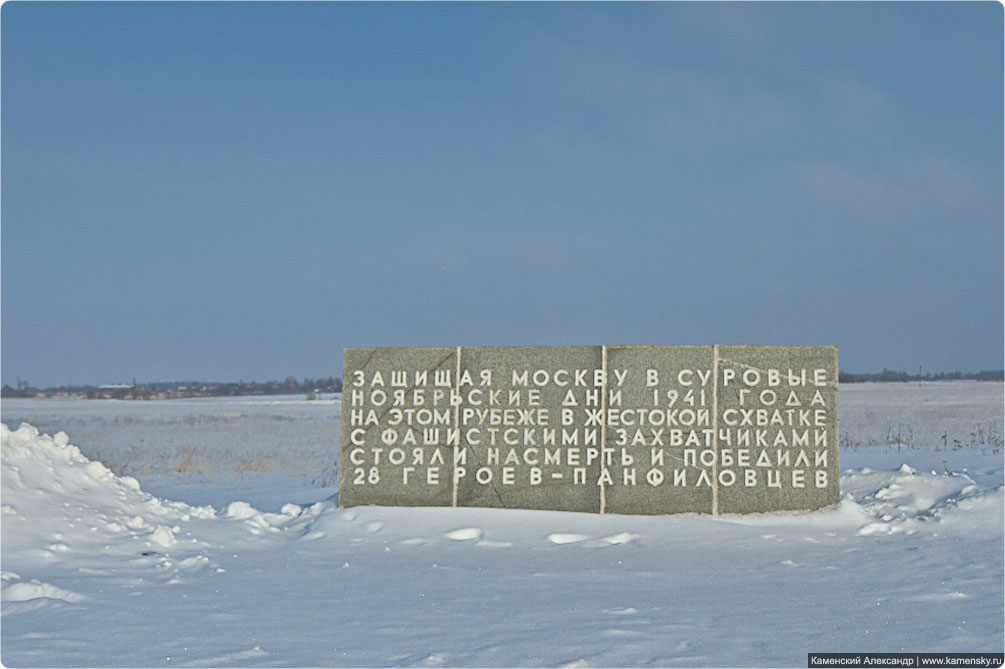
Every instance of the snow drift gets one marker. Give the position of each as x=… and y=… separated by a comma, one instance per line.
x=60, y=507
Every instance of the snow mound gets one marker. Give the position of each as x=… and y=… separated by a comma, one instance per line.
x=908, y=501
x=35, y=589
x=566, y=538
x=465, y=534
x=58, y=504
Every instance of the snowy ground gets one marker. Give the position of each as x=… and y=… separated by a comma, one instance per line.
x=97, y=571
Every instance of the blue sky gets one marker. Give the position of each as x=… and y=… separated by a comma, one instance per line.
x=238, y=191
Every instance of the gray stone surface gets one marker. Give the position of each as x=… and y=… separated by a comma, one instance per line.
x=510, y=427
x=394, y=442
x=608, y=429
x=786, y=426
x=665, y=407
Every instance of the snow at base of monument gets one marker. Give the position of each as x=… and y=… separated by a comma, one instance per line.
x=97, y=571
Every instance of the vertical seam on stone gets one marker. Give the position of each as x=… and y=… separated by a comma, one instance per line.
x=715, y=429
x=603, y=426
x=837, y=421
x=457, y=425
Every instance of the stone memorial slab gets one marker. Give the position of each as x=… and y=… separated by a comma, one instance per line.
x=605, y=429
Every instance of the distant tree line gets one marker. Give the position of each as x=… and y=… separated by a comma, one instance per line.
x=308, y=387
x=289, y=386
x=889, y=375
x=7, y=391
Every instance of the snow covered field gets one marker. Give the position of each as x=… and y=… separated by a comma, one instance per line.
x=277, y=434
x=99, y=571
